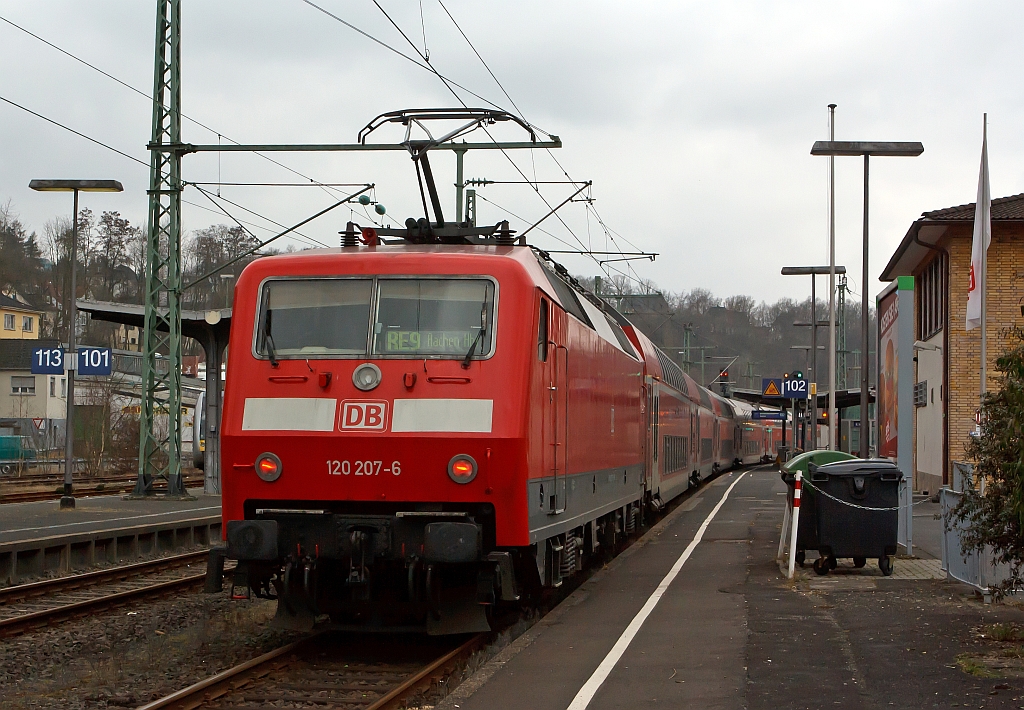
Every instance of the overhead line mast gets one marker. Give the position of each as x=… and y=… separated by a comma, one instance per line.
x=160, y=451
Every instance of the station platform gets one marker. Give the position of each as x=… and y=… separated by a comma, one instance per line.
x=26, y=521
x=730, y=631
x=39, y=539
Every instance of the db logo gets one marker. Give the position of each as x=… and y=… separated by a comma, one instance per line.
x=364, y=414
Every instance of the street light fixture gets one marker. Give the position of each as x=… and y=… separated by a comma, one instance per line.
x=867, y=149
x=813, y=272
x=67, y=501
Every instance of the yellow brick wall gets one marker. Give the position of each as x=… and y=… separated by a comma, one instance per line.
x=1004, y=291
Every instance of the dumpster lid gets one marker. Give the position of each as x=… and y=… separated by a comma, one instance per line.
x=859, y=467
x=818, y=458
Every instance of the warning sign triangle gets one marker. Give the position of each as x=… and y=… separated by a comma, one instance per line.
x=771, y=390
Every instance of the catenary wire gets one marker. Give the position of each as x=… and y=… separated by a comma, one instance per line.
x=72, y=130
x=520, y=112
x=147, y=96
x=137, y=160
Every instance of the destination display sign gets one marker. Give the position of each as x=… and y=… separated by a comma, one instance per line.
x=440, y=342
x=768, y=416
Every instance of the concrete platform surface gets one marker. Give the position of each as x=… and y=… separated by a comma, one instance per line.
x=729, y=631
x=29, y=521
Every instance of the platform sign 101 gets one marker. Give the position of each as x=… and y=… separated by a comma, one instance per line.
x=94, y=361
x=48, y=361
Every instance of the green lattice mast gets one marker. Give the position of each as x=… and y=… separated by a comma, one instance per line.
x=159, y=448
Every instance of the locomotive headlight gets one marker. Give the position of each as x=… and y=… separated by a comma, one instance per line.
x=268, y=467
x=462, y=468
x=366, y=376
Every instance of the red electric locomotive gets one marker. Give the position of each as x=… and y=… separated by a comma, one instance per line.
x=413, y=432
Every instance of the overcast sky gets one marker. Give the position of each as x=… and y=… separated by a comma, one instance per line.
x=694, y=120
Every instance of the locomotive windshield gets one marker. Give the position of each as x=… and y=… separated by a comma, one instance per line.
x=414, y=317
x=315, y=317
x=441, y=317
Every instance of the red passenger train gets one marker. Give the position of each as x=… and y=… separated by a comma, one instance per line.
x=415, y=432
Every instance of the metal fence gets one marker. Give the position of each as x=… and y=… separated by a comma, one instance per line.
x=975, y=568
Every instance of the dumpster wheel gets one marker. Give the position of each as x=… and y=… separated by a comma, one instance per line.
x=859, y=562
x=821, y=566
x=885, y=564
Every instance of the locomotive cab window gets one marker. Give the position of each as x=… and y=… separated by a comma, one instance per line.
x=314, y=317
x=542, y=331
x=446, y=318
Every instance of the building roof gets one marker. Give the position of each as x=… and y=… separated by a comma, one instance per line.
x=925, y=232
x=17, y=354
x=1011, y=207
x=13, y=304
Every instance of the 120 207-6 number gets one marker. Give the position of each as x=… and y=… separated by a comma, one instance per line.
x=362, y=468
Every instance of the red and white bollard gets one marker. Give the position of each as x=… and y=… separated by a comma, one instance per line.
x=795, y=525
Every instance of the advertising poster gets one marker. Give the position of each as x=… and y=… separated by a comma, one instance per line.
x=888, y=367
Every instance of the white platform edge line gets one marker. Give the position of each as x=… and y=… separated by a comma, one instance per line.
x=597, y=679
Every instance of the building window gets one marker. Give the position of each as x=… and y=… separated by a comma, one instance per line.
x=63, y=388
x=26, y=323
x=8, y=321
x=921, y=394
x=23, y=385
x=53, y=386
x=931, y=298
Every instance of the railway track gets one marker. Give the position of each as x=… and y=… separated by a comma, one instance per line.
x=28, y=606
x=114, y=486
x=371, y=672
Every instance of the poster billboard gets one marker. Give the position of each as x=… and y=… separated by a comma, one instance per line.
x=888, y=375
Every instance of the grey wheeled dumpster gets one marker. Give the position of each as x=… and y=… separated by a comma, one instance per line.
x=856, y=512
x=807, y=532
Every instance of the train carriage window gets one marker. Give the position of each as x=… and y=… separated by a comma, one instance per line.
x=542, y=331
x=314, y=317
x=567, y=297
x=434, y=317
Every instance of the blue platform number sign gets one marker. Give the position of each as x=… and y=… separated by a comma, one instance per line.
x=94, y=361
x=47, y=361
x=794, y=388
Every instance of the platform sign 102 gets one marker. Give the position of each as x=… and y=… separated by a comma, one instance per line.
x=94, y=361
x=794, y=388
x=48, y=361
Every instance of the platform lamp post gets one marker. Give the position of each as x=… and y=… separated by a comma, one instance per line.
x=866, y=149
x=67, y=501
x=813, y=272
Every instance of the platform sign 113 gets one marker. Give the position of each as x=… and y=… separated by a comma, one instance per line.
x=48, y=361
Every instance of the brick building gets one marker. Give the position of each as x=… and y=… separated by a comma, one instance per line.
x=936, y=251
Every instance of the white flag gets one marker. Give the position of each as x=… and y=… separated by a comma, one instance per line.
x=982, y=238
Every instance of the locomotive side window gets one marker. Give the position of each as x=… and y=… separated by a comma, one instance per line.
x=439, y=317
x=542, y=331
x=310, y=317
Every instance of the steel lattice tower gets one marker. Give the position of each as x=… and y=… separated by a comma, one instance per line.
x=160, y=448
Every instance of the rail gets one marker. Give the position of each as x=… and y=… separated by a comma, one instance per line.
x=377, y=686
x=28, y=606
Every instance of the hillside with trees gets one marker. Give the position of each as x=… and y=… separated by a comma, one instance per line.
x=691, y=326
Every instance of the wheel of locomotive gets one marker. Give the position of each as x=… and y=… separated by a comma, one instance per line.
x=832, y=563
x=885, y=564
x=821, y=565
x=800, y=557
x=859, y=562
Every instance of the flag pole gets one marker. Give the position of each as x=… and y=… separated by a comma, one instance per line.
x=984, y=270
